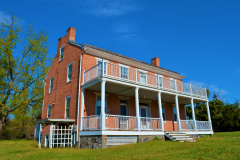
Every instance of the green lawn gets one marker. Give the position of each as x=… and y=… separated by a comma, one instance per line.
x=221, y=146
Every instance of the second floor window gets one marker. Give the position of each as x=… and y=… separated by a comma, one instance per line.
x=61, y=53
x=124, y=73
x=99, y=67
x=49, y=111
x=143, y=77
x=69, y=76
x=159, y=81
x=173, y=86
x=67, y=110
x=51, y=85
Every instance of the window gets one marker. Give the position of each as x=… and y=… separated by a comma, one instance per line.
x=159, y=81
x=49, y=111
x=69, y=76
x=163, y=113
x=61, y=53
x=123, y=107
x=173, y=86
x=174, y=114
x=98, y=106
x=124, y=73
x=99, y=67
x=51, y=85
x=143, y=77
x=67, y=110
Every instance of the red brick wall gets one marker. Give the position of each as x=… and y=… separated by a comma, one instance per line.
x=62, y=89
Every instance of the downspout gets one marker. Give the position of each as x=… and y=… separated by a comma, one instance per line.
x=79, y=87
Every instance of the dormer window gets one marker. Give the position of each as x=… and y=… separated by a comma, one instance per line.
x=61, y=53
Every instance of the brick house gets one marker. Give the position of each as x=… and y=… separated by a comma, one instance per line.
x=94, y=98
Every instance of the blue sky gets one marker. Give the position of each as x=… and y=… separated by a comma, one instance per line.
x=199, y=39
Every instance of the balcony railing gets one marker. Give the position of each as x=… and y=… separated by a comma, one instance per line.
x=141, y=77
x=189, y=125
x=91, y=122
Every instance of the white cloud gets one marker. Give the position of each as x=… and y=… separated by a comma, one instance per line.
x=99, y=8
x=217, y=90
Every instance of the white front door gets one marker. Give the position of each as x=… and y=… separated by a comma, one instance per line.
x=144, y=120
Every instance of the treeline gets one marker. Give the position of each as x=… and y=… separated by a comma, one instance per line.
x=224, y=116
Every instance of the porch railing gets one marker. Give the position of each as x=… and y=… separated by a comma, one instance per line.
x=191, y=125
x=121, y=122
x=140, y=77
x=91, y=122
x=147, y=123
x=203, y=125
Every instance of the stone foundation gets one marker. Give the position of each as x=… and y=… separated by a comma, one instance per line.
x=93, y=142
x=145, y=138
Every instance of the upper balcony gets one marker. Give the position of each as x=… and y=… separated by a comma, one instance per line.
x=144, y=78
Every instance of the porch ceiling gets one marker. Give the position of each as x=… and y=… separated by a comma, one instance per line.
x=125, y=90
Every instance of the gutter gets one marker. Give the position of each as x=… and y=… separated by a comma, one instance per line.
x=79, y=87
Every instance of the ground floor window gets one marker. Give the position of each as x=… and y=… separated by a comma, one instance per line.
x=67, y=109
x=175, y=113
x=163, y=113
x=98, y=105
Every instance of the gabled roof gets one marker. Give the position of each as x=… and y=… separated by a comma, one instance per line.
x=120, y=55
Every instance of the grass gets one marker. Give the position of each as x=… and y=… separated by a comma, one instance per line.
x=220, y=146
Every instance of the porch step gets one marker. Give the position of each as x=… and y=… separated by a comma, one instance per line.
x=179, y=136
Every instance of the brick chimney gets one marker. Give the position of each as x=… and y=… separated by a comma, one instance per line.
x=156, y=61
x=71, y=33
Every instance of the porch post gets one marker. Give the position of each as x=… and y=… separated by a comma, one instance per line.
x=40, y=135
x=82, y=111
x=50, y=138
x=137, y=108
x=209, y=116
x=160, y=110
x=193, y=115
x=103, y=104
x=178, y=115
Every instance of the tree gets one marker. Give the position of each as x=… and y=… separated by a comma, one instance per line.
x=23, y=66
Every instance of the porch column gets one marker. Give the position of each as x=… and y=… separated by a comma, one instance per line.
x=82, y=112
x=209, y=116
x=103, y=119
x=178, y=115
x=50, y=138
x=137, y=109
x=193, y=115
x=160, y=110
x=40, y=135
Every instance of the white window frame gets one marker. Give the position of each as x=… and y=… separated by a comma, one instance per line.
x=104, y=62
x=68, y=72
x=50, y=91
x=120, y=73
x=61, y=53
x=49, y=106
x=157, y=77
x=171, y=79
x=127, y=108
x=144, y=73
x=66, y=106
x=173, y=113
x=97, y=95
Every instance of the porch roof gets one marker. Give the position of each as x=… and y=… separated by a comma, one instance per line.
x=47, y=120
